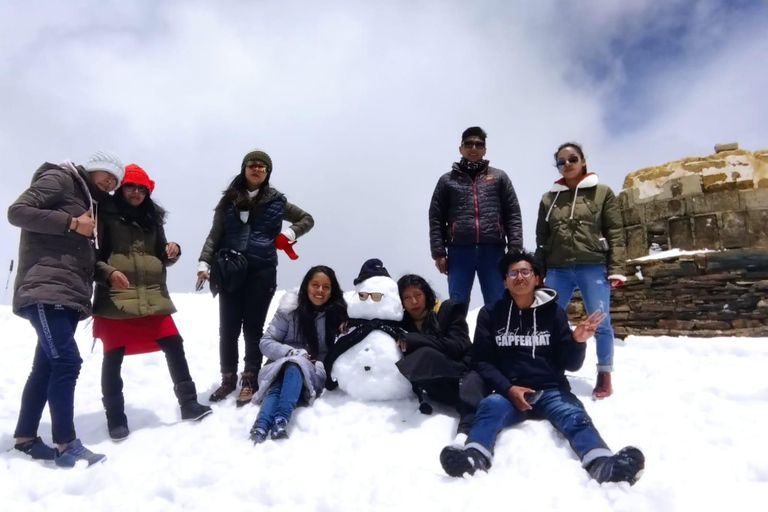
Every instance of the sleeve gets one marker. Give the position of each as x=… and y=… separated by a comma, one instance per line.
x=613, y=231
x=161, y=242
x=103, y=252
x=271, y=344
x=485, y=354
x=453, y=338
x=438, y=220
x=301, y=221
x=36, y=209
x=513, y=219
x=211, y=244
x=543, y=232
x=571, y=353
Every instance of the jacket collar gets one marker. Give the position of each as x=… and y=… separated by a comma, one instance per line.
x=588, y=181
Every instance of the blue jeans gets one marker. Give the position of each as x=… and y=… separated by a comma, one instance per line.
x=464, y=261
x=281, y=399
x=560, y=407
x=592, y=281
x=55, y=369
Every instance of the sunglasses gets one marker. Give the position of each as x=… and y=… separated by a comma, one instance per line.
x=525, y=272
x=573, y=159
x=375, y=296
x=469, y=144
x=133, y=187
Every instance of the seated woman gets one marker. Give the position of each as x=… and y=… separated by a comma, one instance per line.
x=436, y=351
x=296, y=342
x=132, y=308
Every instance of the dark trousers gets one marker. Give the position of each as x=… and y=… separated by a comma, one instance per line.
x=464, y=394
x=112, y=382
x=246, y=309
x=55, y=369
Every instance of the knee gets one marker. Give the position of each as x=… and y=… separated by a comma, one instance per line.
x=494, y=404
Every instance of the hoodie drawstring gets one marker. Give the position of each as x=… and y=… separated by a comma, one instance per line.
x=552, y=206
x=509, y=316
x=575, y=195
x=533, y=339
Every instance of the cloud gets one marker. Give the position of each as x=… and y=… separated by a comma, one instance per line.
x=362, y=106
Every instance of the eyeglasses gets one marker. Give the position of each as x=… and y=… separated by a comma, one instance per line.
x=469, y=144
x=525, y=272
x=375, y=296
x=133, y=187
x=573, y=159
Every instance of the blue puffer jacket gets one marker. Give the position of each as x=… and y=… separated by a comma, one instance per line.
x=257, y=238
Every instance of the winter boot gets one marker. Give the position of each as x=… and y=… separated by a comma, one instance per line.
x=248, y=387
x=603, y=388
x=458, y=461
x=36, y=449
x=76, y=452
x=625, y=466
x=258, y=435
x=191, y=410
x=279, y=429
x=228, y=385
x=117, y=422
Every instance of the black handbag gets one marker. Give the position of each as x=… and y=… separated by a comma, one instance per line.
x=228, y=271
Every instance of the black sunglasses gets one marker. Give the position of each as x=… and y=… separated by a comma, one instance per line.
x=573, y=159
x=133, y=187
x=469, y=144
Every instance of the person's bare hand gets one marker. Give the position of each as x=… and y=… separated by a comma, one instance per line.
x=615, y=283
x=402, y=344
x=118, y=281
x=586, y=329
x=84, y=224
x=442, y=264
x=172, y=250
x=202, y=277
x=516, y=395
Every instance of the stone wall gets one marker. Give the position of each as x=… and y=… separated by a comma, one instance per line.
x=715, y=205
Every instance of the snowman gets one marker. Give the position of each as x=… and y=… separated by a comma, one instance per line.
x=362, y=362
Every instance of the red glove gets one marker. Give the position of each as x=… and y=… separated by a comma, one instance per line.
x=282, y=243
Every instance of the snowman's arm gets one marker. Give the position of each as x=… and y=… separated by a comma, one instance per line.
x=271, y=344
x=485, y=354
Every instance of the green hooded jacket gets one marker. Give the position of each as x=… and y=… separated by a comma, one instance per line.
x=581, y=226
x=140, y=255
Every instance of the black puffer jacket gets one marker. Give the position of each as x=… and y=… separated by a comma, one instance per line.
x=468, y=212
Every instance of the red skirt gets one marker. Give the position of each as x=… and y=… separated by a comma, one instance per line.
x=137, y=335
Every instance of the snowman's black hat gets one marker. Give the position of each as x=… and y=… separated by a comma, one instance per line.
x=371, y=268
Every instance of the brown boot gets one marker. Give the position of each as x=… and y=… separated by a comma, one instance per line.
x=603, y=388
x=248, y=383
x=228, y=385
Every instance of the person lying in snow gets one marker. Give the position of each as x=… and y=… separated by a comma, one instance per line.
x=436, y=349
x=522, y=348
x=296, y=343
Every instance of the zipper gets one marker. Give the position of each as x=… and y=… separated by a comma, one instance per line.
x=477, y=211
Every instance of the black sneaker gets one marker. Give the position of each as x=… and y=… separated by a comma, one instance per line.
x=457, y=461
x=119, y=432
x=36, y=449
x=258, y=435
x=76, y=452
x=279, y=429
x=625, y=466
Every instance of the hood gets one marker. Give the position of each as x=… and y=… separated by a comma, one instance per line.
x=541, y=297
x=588, y=181
x=289, y=301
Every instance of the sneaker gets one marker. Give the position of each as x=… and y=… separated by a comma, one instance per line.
x=248, y=386
x=119, y=432
x=228, y=385
x=603, y=388
x=36, y=449
x=279, y=429
x=625, y=466
x=258, y=435
x=460, y=461
x=75, y=452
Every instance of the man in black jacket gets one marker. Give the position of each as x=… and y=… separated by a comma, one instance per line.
x=473, y=216
x=436, y=348
x=522, y=348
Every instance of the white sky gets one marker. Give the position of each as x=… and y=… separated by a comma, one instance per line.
x=362, y=105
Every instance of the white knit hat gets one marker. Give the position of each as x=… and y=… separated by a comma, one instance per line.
x=106, y=161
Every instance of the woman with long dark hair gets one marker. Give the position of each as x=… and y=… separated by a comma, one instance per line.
x=241, y=251
x=304, y=327
x=580, y=241
x=132, y=308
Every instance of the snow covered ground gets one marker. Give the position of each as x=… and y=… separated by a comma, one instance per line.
x=697, y=407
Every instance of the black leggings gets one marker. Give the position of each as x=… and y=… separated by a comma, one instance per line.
x=463, y=394
x=172, y=347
